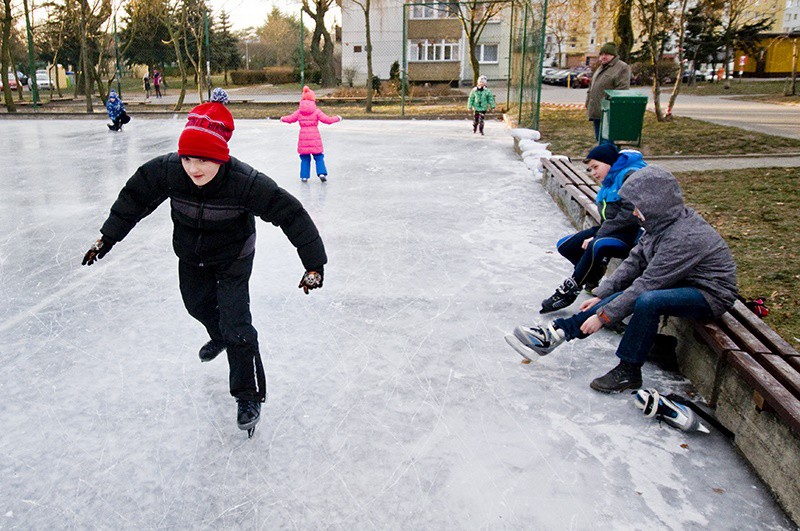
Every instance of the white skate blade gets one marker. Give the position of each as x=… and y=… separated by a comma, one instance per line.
x=525, y=352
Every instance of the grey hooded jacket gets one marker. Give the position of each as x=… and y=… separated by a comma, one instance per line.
x=679, y=249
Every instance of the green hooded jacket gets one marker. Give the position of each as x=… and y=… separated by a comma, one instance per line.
x=481, y=100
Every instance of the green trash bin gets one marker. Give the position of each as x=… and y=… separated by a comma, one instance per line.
x=623, y=116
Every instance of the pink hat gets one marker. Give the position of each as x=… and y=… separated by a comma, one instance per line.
x=308, y=94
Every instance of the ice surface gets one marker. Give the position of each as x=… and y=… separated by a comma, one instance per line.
x=394, y=401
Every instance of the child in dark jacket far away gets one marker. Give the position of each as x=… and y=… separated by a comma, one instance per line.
x=215, y=199
x=481, y=100
x=680, y=267
x=589, y=250
x=309, y=143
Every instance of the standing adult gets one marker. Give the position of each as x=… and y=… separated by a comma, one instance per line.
x=146, y=84
x=612, y=74
x=157, y=83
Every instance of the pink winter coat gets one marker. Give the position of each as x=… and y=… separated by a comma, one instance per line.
x=309, y=142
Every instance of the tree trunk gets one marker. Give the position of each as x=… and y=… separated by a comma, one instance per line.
x=368, y=104
x=623, y=29
x=323, y=57
x=681, y=38
x=175, y=43
x=5, y=53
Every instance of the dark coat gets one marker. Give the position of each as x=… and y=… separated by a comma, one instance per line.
x=214, y=224
x=616, y=75
x=679, y=249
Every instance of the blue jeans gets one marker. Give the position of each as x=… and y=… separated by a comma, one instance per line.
x=305, y=165
x=590, y=262
x=643, y=326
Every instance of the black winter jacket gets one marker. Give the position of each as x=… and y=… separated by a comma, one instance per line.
x=214, y=224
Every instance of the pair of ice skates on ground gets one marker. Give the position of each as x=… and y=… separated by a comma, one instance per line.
x=248, y=412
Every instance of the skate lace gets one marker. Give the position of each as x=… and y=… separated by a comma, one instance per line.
x=249, y=407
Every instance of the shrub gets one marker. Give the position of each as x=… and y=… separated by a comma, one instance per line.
x=277, y=75
x=248, y=77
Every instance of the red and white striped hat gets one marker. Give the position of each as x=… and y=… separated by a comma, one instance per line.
x=208, y=130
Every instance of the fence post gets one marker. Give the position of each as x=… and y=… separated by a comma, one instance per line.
x=208, y=53
x=404, y=69
x=31, y=66
x=538, y=72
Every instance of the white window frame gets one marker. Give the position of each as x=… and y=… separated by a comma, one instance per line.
x=434, y=51
x=432, y=10
x=481, y=52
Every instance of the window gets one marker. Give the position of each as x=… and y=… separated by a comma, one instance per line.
x=433, y=51
x=487, y=53
x=356, y=49
x=440, y=9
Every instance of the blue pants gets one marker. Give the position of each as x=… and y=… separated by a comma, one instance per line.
x=643, y=326
x=590, y=263
x=305, y=165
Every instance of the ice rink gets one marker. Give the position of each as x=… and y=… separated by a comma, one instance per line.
x=394, y=402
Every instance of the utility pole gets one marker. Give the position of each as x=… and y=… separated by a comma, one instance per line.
x=116, y=53
x=208, y=54
x=302, y=57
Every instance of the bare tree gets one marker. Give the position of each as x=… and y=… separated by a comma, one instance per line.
x=656, y=20
x=172, y=16
x=5, y=54
x=474, y=15
x=323, y=56
x=681, y=5
x=365, y=6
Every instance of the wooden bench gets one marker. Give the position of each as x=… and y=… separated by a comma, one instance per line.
x=740, y=366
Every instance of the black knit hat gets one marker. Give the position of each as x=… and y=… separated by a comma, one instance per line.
x=606, y=153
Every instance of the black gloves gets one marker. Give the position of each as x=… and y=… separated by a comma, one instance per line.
x=312, y=279
x=98, y=250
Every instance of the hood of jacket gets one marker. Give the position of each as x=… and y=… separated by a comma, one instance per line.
x=657, y=195
x=629, y=159
x=307, y=107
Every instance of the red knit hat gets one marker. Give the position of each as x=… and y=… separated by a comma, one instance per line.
x=308, y=94
x=208, y=130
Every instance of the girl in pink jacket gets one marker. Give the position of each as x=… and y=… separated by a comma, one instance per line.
x=310, y=143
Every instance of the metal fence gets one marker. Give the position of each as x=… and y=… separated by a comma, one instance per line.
x=421, y=62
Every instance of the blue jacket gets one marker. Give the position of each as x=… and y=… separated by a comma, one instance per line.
x=617, y=213
x=114, y=106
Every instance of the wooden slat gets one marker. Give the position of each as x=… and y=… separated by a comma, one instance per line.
x=781, y=400
x=742, y=336
x=782, y=371
x=762, y=331
x=715, y=337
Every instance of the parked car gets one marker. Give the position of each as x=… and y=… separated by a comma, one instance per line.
x=556, y=77
x=42, y=80
x=12, y=82
x=581, y=80
x=698, y=76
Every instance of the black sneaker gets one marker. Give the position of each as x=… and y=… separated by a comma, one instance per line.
x=248, y=413
x=565, y=295
x=211, y=350
x=623, y=376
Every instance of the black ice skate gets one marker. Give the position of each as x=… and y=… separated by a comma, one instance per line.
x=565, y=295
x=323, y=177
x=211, y=350
x=247, y=415
x=623, y=376
x=538, y=340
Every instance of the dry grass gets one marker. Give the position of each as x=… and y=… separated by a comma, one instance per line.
x=569, y=132
x=757, y=211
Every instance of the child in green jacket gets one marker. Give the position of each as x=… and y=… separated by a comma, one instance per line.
x=481, y=100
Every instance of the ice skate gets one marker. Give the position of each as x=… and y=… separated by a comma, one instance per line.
x=323, y=177
x=565, y=295
x=624, y=376
x=675, y=414
x=211, y=350
x=535, y=341
x=247, y=415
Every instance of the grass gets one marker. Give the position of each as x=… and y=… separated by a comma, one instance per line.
x=757, y=211
x=737, y=87
x=570, y=133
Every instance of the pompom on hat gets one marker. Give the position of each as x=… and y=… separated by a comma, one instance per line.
x=308, y=94
x=208, y=130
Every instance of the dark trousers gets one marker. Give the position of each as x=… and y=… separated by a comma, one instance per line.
x=590, y=263
x=643, y=326
x=219, y=297
x=477, y=121
x=158, y=90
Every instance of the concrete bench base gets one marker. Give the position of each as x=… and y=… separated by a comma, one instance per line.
x=768, y=444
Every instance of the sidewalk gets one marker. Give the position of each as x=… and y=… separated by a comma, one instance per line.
x=728, y=162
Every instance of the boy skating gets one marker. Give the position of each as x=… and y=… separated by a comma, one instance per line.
x=214, y=200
